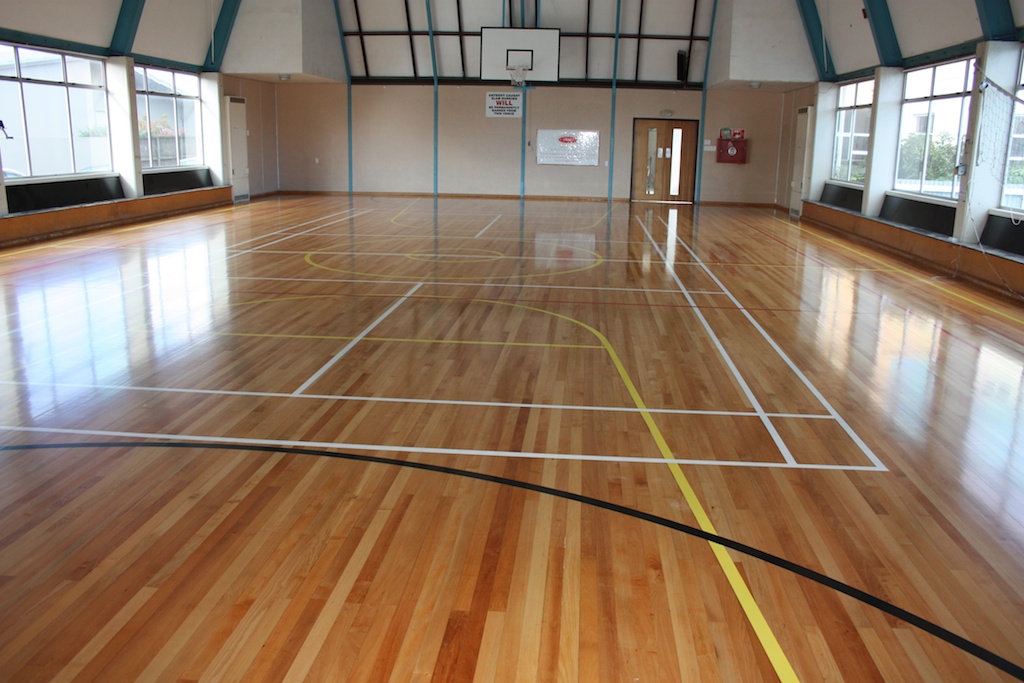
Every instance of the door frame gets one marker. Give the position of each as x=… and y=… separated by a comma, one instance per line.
x=635, y=151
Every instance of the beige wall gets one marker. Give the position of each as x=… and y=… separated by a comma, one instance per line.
x=393, y=140
x=261, y=121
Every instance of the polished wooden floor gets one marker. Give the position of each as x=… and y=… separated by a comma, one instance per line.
x=318, y=439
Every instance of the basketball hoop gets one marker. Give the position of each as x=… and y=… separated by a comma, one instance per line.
x=518, y=75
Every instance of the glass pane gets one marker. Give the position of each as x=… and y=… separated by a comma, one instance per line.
x=865, y=93
x=7, y=64
x=950, y=78
x=91, y=132
x=918, y=84
x=913, y=139
x=943, y=148
x=160, y=81
x=862, y=121
x=847, y=95
x=652, y=158
x=13, y=150
x=1013, y=189
x=49, y=143
x=677, y=148
x=40, y=66
x=142, y=105
x=84, y=71
x=162, y=133
x=189, y=138
x=140, y=78
x=186, y=84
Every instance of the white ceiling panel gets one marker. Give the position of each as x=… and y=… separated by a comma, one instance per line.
x=923, y=27
x=179, y=30
x=849, y=36
x=91, y=22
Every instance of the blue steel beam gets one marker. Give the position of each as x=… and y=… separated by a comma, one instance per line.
x=996, y=19
x=888, y=46
x=221, y=35
x=816, y=40
x=127, y=26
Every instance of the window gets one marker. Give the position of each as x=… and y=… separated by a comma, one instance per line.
x=54, y=110
x=933, y=125
x=1013, y=181
x=853, y=131
x=170, y=124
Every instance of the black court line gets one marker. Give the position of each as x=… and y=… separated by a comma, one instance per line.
x=932, y=628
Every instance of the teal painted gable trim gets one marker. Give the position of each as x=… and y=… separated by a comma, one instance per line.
x=20, y=37
x=816, y=40
x=221, y=35
x=996, y=17
x=127, y=26
x=888, y=46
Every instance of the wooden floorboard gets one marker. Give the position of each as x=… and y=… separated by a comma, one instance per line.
x=314, y=438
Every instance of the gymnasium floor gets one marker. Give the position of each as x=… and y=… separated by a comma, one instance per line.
x=314, y=438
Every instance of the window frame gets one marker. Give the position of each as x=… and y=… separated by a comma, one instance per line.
x=177, y=98
x=67, y=86
x=963, y=95
x=861, y=103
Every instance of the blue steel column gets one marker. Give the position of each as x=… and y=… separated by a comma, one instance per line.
x=221, y=34
x=433, y=65
x=348, y=89
x=615, y=88
x=127, y=26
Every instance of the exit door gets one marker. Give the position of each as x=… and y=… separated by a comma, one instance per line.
x=664, y=160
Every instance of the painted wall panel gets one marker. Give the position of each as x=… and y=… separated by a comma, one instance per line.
x=312, y=143
x=91, y=22
x=758, y=181
x=393, y=139
x=179, y=30
x=769, y=43
x=927, y=27
x=321, y=42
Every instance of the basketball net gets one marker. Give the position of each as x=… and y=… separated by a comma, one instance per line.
x=518, y=75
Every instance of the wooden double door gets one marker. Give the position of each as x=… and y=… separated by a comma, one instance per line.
x=664, y=160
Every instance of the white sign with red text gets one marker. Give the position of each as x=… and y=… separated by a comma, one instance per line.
x=568, y=147
x=505, y=105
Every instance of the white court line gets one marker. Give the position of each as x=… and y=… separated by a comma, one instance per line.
x=792, y=366
x=505, y=285
x=418, y=401
x=776, y=437
x=358, y=338
x=432, y=451
x=297, y=225
x=496, y=218
x=289, y=236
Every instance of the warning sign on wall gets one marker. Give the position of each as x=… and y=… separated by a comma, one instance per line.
x=505, y=105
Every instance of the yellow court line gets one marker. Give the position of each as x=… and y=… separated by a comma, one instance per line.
x=485, y=278
x=914, y=276
x=757, y=620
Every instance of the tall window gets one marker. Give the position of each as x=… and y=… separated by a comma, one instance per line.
x=170, y=124
x=853, y=131
x=54, y=110
x=1013, y=181
x=933, y=125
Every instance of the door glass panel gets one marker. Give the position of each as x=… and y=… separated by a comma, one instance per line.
x=677, y=146
x=652, y=156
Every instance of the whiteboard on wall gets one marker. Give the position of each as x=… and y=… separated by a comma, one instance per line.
x=568, y=147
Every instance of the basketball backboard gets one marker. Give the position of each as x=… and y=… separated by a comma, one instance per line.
x=534, y=49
